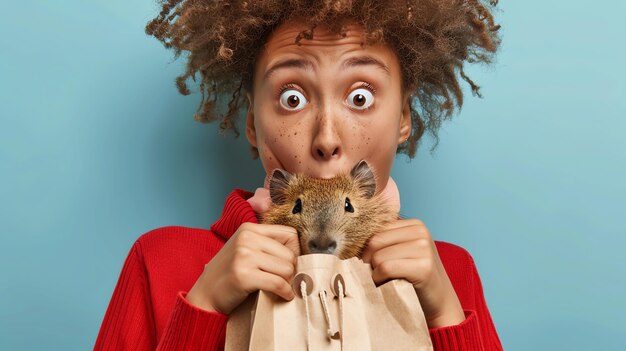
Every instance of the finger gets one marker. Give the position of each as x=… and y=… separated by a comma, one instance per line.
x=273, y=248
x=275, y=265
x=285, y=235
x=393, y=269
x=408, y=249
x=274, y=284
x=385, y=239
x=400, y=223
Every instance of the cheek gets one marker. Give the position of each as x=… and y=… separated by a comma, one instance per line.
x=376, y=143
x=374, y=140
x=281, y=145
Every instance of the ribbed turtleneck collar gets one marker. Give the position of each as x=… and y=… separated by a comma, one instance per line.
x=236, y=211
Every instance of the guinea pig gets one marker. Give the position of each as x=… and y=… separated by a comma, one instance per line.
x=334, y=216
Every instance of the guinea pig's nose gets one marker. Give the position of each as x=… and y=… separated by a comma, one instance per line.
x=322, y=245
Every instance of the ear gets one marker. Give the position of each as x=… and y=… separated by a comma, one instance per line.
x=278, y=185
x=250, y=130
x=363, y=175
x=405, y=121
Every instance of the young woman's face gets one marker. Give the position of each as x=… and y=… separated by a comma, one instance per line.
x=320, y=107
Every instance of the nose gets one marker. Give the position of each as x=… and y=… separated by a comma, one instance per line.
x=322, y=245
x=327, y=143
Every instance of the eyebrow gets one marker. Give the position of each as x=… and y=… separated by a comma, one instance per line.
x=356, y=61
x=365, y=60
x=289, y=63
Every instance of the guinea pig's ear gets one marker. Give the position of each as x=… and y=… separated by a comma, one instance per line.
x=364, y=176
x=278, y=185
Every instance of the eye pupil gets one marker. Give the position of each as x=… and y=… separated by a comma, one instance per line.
x=348, y=206
x=298, y=207
x=293, y=101
x=359, y=100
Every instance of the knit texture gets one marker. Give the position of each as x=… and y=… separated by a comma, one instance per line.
x=148, y=309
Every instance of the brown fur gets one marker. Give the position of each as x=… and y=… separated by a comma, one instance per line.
x=322, y=211
x=433, y=40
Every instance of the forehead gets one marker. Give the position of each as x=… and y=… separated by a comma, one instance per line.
x=325, y=50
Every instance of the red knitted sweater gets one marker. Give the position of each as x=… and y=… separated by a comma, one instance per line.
x=149, y=311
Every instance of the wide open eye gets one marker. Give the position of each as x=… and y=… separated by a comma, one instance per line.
x=298, y=207
x=348, y=206
x=360, y=98
x=292, y=100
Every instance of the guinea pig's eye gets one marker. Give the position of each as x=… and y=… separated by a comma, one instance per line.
x=360, y=99
x=298, y=207
x=348, y=206
x=292, y=99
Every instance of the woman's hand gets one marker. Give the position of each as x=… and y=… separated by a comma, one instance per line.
x=406, y=250
x=256, y=257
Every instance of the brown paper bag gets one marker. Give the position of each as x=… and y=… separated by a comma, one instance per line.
x=364, y=317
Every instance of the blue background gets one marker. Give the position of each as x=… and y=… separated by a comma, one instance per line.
x=97, y=147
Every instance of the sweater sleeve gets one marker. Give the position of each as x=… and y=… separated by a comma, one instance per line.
x=477, y=331
x=192, y=328
x=129, y=323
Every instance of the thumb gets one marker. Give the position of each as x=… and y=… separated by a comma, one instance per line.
x=288, y=236
x=293, y=244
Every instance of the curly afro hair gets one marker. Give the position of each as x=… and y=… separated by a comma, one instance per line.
x=432, y=39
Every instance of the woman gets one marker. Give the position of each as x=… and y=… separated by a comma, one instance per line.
x=325, y=84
